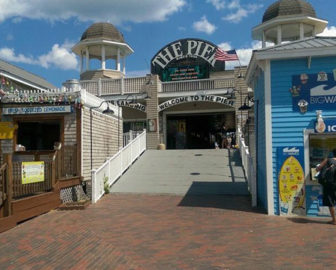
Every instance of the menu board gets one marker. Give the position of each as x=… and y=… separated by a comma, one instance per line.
x=185, y=73
x=291, y=181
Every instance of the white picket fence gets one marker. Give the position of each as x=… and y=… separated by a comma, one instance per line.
x=114, y=167
x=248, y=167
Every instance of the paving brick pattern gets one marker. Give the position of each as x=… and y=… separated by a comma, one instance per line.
x=153, y=232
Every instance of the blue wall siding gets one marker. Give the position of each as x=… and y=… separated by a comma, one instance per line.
x=260, y=142
x=287, y=126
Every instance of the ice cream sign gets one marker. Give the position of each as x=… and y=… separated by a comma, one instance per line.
x=325, y=125
x=314, y=91
x=291, y=181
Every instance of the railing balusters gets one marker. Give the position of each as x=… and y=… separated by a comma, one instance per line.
x=119, y=162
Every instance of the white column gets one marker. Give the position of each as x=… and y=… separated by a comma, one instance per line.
x=279, y=35
x=314, y=31
x=264, y=40
x=87, y=58
x=103, y=65
x=118, y=60
x=81, y=63
x=124, y=64
x=301, y=31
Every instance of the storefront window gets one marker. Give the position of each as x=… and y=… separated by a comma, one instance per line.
x=320, y=147
x=38, y=135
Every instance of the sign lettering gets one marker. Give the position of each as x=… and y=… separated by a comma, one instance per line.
x=37, y=110
x=185, y=48
x=200, y=98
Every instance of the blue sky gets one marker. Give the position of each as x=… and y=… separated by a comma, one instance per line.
x=37, y=35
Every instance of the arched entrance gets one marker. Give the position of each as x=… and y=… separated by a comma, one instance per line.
x=195, y=122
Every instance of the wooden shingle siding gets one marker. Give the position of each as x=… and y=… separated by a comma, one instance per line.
x=288, y=126
x=104, y=140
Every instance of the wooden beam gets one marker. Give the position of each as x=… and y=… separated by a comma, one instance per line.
x=9, y=185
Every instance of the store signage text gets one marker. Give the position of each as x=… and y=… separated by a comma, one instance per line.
x=195, y=98
x=37, y=110
x=185, y=48
x=124, y=103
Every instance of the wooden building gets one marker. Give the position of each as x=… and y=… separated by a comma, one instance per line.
x=51, y=141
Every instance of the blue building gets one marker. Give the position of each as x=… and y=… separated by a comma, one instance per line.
x=294, y=82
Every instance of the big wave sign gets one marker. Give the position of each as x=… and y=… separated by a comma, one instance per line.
x=315, y=91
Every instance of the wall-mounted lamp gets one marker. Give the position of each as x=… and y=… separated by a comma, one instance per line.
x=246, y=105
x=147, y=97
x=240, y=76
x=106, y=111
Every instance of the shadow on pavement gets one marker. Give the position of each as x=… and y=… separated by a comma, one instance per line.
x=303, y=220
x=231, y=196
x=218, y=188
x=229, y=202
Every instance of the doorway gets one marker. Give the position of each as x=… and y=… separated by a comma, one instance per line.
x=197, y=131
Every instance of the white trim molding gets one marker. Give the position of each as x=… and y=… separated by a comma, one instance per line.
x=268, y=138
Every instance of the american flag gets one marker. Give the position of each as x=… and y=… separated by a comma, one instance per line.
x=221, y=55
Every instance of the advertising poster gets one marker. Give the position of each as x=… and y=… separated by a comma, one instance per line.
x=291, y=180
x=312, y=92
x=314, y=197
x=32, y=172
x=7, y=130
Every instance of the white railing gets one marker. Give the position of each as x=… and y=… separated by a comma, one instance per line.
x=114, y=167
x=247, y=163
x=121, y=86
x=131, y=135
x=197, y=85
x=135, y=85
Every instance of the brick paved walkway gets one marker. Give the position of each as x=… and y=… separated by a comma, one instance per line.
x=168, y=233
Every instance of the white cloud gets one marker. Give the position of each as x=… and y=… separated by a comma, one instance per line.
x=114, y=11
x=218, y=4
x=59, y=56
x=182, y=28
x=225, y=46
x=9, y=55
x=203, y=25
x=234, y=4
x=329, y=32
x=240, y=11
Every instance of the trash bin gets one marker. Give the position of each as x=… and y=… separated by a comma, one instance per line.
x=161, y=146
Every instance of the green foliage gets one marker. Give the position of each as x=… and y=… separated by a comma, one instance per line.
x=106, y=185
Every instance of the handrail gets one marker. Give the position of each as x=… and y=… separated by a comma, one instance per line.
x=249, y=170
x=115, y=166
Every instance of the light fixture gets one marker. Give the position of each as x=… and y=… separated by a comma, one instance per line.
x=147, y=97
x=245, y=106
x=108, y=110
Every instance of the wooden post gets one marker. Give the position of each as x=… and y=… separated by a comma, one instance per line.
x=9, y=185
x=53, y=170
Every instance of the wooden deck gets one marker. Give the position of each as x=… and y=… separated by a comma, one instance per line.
x=20, y=201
